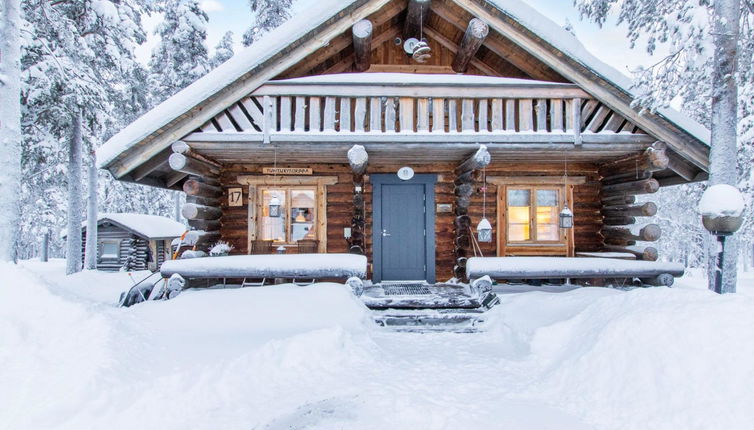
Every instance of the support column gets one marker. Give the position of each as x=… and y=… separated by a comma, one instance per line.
x=464, y=189
x=358, y=159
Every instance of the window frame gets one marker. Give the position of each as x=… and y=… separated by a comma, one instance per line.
x=288, y=207
x=533, y=224
x=109, y=257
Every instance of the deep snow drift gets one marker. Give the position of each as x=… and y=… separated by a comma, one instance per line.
x=308, y=357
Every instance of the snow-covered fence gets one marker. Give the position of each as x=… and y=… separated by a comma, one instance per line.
x=302, y=266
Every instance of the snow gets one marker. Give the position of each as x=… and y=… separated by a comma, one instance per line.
x=535, y=267
x=413, y=79
x=149, y=226
x=300, y=24
x=308, y=357
x=271, y=266
x=722, y=200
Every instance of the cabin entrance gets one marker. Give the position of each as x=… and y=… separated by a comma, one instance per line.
x=403, y=230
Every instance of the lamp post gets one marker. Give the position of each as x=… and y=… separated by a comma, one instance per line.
x=722, y=209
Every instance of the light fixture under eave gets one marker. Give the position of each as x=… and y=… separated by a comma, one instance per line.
x=566, y=218
x=274, y=207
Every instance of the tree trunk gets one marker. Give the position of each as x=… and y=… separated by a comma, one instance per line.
x=90, y=262
x=10, y=126
x=177, y=206
x=45, y=247
x=724, y=119
x=73, y=240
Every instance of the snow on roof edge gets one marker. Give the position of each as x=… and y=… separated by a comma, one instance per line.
x=149, y=226
x=300, y=25
x=217, y=79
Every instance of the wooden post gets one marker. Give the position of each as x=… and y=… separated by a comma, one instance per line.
x=358, y=159
x=362, y=45
x=464, y=189
x=416, y=16
x=45, y=247
x=475, y=34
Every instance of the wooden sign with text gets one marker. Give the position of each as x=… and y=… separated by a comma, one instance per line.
x=286, y=171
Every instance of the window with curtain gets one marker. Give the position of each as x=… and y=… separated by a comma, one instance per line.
x=533, y=214
x=294, y=218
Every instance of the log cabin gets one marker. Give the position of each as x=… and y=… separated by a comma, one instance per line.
x=127, y=241
x=391, y=128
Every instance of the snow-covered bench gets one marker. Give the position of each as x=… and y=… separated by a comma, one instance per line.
x=509, y=268
x=290, y=266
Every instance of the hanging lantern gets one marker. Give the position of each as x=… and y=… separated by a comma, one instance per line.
x=566, y=218
x=484, y=230
x=274, y=207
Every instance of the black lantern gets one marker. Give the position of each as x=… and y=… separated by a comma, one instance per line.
x=274, y=207
x=484, y=230
x=566, y=218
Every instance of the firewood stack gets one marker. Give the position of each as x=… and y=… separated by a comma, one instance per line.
x=465, y=180
x=358, y=160
x=622, y=181
x=203, y=193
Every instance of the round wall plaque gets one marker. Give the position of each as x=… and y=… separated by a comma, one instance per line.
x=405, y=173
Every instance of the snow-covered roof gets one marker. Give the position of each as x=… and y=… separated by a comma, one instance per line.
x=148, y=226
x=415, y=79
x=303, y=23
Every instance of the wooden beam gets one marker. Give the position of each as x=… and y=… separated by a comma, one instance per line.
x=416, y=17
x=150, y=166
x=358, y=159
x=362, y=44
x=479, y=160
x=195, y=211
x=192, y=166
x=475, y=34
x=452, y=47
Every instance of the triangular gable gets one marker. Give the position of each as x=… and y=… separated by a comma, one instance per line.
x=310, y=44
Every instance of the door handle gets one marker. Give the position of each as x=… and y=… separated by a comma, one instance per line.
x=385, y=233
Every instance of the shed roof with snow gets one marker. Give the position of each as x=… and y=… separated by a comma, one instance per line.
x=151, y=227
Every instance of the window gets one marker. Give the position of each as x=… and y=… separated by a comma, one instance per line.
x=110, y=250
x=533, y=214
x=287, y=214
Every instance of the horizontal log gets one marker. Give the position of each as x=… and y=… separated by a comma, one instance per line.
x=618, y=241
x=619, y=220
x=194, y=211
x=462, y=222
x=192, y=187
x=464, y=190
x=648, y=233
x=652, y=160
x=626, y=177
x=663, y=280
x=200, y=238
x=647, y=209
x=648, y=253
x=180, y=147
x=203, y=201
x=358, y=160
x=210, y=225
x=479, y=160
x=618, y=200
x=646, y=186
x=192, y=166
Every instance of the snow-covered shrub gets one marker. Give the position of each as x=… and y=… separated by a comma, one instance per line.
x=220, y=248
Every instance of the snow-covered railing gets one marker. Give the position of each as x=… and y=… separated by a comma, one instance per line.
x=440, y=108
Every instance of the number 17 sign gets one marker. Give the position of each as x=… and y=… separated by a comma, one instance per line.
x=235, y=197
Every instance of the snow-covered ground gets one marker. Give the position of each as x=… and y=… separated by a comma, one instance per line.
x=291, y=357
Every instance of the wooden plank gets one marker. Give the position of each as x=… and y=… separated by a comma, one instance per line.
x=467, y=115
x=268, y=118
x=482, y=115
x=556, y=116
x=240, y=118
x=406, y=113
x=614, y=123
x=586, y=111
x=375, y=115
x=598, y=118
x=257, y=116
x=300, y=115
x=422, y=114
x=286, y=121
x=497, y=122
x=510, y=115
x=525, y=115
x=360, y=114
x=390, y=114
x=344, y=122
x=452, y=47
x=329, y=114
x=576, y=121
x=438, y=115
x=226, y=125
x=315, y=118
x=453, y=115
x=541, y=113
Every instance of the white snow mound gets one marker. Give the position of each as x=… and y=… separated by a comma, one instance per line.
x=721, y=200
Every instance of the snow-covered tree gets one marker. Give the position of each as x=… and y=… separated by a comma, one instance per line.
x=268, y=15
x=10, y=125
x=180, y=57
x=90, y=256
x=703, y=83
x=223, y=50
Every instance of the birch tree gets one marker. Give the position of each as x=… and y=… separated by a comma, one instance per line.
x=90, y=256
x=10, y=125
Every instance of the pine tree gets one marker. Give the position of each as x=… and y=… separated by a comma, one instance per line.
x=223, y=50
x=180, y=58
x=10, y=125
x=268, y=15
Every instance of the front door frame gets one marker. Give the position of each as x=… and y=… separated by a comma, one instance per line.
x=428, y=180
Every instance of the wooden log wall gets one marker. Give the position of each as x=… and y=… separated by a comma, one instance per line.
x=340, y=208
x=622, y=180
x=465, y=186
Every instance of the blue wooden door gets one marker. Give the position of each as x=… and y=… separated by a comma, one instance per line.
x=402, y=225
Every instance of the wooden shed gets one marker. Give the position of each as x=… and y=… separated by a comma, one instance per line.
x=392, y=127
x=133, y=241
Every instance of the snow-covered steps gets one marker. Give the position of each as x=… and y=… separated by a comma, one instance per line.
x=430, y=320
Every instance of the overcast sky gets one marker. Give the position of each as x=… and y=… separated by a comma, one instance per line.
x=608, y=43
